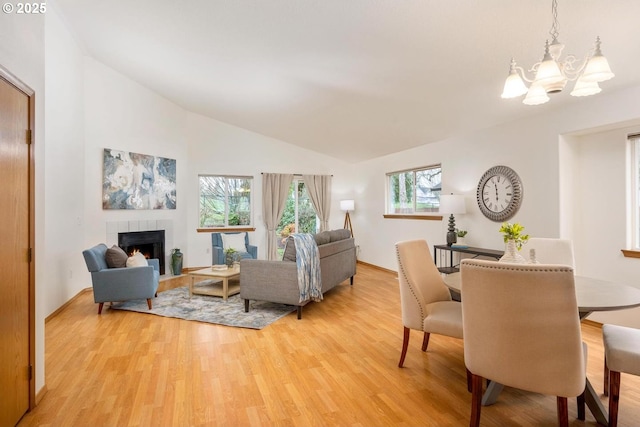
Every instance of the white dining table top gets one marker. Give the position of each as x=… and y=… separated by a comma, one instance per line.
x=591, y=294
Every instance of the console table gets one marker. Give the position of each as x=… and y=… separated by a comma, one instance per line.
x=476, y=252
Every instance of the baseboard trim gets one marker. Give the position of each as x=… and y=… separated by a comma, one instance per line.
x=62, y=307
x=377, y=267
x=40, y=394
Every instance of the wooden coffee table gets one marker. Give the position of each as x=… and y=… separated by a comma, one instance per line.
x=227, y=282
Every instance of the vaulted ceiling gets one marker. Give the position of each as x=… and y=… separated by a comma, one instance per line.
x=354, y=79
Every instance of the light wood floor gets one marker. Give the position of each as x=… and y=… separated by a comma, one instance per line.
x=335, y=367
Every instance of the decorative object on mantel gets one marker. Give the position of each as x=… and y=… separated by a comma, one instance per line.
x=137, y=181
x=552, y=73
x=452, y=204
x=514, y=239
x=176, y=262
x=532, y=257
x=346, y=206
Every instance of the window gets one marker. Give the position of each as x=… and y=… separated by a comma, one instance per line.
x=414, y=191
x=225, y=201
x=299, y=215
x=634, y=143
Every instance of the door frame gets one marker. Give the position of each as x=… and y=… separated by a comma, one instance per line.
x=30, y=93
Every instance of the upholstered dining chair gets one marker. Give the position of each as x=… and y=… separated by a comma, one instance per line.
x=522, y=329
x=622, y=354
x=425, y=299
x=550, y=250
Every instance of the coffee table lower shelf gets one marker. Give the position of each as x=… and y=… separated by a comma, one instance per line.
x=221, y=284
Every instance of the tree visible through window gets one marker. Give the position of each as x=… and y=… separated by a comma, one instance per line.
x=414, y=191
x=299, y=215
x=225, y=201
x=634, y=141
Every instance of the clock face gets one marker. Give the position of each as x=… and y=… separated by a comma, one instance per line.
x=499, y=193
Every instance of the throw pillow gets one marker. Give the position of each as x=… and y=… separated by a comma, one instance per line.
x=322, y=238
x=116, y=257
x=137, y=260
x=235, y=241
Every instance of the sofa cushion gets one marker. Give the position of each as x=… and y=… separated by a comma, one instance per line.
x=137, y=260
x=289, y=250
x=339, y=234
x=322, y=238
x=116, y=257
x=234, y=240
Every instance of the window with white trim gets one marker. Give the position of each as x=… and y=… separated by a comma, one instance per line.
x=225, y=201
x=414, y=191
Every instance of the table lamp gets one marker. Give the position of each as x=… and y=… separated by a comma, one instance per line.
x=346, y=206
x=452, y=204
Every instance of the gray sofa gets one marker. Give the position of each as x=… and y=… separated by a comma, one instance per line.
x=277, y=281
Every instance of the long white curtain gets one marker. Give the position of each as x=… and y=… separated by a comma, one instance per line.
x=319, y=189
x=275, y=189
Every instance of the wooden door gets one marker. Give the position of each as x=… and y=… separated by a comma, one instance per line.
x=15, y=366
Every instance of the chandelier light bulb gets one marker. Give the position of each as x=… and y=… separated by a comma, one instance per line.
x=584, y=88
x=597, y=69
x=536, y=95
x=513, y=86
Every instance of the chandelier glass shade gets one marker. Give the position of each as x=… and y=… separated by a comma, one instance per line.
x=552, y=73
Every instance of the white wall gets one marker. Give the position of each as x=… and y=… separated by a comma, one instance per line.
x=124, y=115
x=64, y=171
x=22, y=53
x=219, y=148
x=601, y=184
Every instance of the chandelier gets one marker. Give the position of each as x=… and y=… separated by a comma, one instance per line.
x=552, y=73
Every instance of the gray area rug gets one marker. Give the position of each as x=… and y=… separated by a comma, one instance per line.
x=209, y=309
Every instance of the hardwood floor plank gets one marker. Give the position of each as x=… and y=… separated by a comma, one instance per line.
x=337, y=366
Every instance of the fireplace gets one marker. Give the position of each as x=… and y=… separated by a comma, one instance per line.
x=150, y=243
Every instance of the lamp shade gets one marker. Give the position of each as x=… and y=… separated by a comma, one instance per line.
x=347, y=205
x=452, y=204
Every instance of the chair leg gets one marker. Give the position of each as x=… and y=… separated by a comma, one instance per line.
x=606, y=377
x=476, y=400
x=614, y=397
x=100, y=307
x=469, y=389
x=425, y=341
x=246, y=305
x=580, y=403
x=563, y=412
x=405, y=345
x=149, y=303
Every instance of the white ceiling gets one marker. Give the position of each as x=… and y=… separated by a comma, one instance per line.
x=354, y=79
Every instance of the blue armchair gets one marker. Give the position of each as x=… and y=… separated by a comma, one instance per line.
x=120, y=284
x=217, y=253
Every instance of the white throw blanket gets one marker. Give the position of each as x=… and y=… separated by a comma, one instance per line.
x=308, y=263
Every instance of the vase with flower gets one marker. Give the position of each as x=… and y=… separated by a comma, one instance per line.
x=514, y=238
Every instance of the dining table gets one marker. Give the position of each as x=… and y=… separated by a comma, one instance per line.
x=592, y=295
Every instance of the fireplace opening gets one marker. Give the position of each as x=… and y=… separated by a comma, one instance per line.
x=149, y=243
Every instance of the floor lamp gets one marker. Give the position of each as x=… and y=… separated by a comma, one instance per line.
x=347, y=205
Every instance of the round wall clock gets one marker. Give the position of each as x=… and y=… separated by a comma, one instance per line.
x=499, y=193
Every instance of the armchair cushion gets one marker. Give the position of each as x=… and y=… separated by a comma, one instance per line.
x=116, y=257
x=234, y=241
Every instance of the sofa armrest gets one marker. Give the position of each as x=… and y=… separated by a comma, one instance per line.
x=273, y=281
x=253, y=251
x=118, y=284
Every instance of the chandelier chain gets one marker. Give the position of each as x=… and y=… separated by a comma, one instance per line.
x=554, y=32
